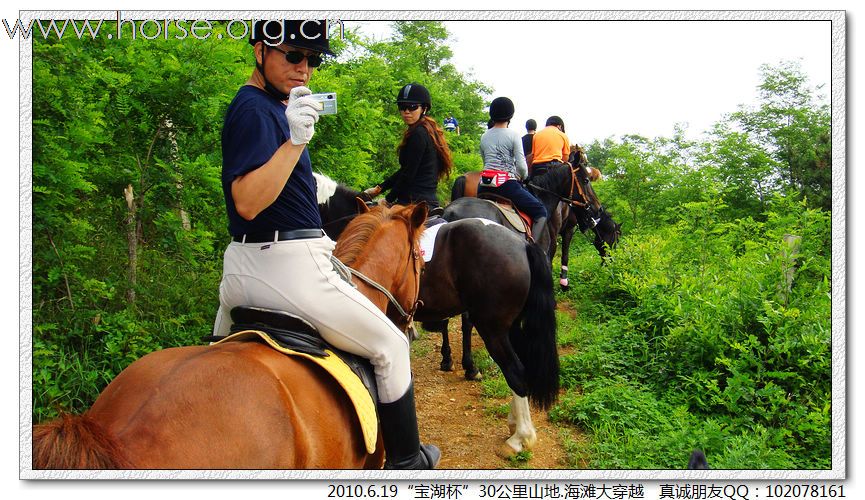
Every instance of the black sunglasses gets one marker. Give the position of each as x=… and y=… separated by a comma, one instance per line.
x=295, y=57
x=407, y=107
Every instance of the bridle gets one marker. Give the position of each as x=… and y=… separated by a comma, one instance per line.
x=582, y=203
x=417, y=260
x=575, y=186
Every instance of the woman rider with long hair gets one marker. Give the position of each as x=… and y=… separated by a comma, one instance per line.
x=424, y=156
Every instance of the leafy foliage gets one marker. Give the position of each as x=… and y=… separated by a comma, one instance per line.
x=128, y=211
x=702, y=330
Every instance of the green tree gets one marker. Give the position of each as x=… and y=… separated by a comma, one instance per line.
x=128, y=212
x=126, y=204
x=743, y=169
x=793, y=125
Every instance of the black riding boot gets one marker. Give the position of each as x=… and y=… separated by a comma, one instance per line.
x=538, y=227
x=402, y=446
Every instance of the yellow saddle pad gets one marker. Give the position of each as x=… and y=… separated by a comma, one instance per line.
x=360, y=397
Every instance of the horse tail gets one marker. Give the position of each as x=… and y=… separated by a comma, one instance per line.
x=458, y=190
x=76, y=442
x=533, y=335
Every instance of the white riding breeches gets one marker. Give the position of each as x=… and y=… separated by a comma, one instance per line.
x=297, y=276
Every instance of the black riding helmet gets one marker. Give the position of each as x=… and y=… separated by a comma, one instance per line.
x=501, y=109
x=555, y=120
x=414, y=93
x=308, y=34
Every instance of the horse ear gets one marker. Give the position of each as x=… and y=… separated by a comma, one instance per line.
x=362, y=208
x=419, y=214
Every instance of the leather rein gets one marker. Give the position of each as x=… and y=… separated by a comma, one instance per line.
x=575, y=185
x=408, y=316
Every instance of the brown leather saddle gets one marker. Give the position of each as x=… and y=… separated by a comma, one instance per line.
x=517, y=219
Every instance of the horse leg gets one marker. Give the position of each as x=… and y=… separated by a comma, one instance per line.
x=447, y=363
x=520, y=426
x=471, y=371
x=567, y=236
x=500, y=349
x=523, y=434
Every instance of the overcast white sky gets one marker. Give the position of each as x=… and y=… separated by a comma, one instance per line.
x=610, y=78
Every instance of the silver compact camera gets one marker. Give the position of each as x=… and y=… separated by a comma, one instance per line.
x=328, y=103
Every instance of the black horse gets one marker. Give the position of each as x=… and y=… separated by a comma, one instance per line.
x=606, y=234
x=595, y=218
x=337, y=204
x=568, y=196
x=508, y=294
x=562, y=185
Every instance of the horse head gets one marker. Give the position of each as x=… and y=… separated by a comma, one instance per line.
x=607, y=232
x=337, y=204
x=383, y=245
x=583, y=187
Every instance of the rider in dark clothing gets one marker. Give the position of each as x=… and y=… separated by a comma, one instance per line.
x=424, y=156
x=417, y=177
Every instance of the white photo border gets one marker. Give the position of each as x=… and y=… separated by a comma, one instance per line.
x=839, y=231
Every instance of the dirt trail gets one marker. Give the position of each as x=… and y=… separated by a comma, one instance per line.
x=454, y=415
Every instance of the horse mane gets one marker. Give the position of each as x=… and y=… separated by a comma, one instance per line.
x=555, y=178
x=358, y=233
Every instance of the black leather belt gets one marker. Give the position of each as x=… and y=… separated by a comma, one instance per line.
x=297, y=234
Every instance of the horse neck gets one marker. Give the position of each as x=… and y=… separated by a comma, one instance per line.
x=558, y=182
x=380, y=254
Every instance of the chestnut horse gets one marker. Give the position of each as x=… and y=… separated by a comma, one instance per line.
x=240, y=405
x=504, y=282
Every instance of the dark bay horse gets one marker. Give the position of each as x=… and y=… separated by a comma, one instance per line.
x=504, y=284
x=239, y=405
x=606, y=230
x=585, y=212
x=564, y=190
x=567, y=194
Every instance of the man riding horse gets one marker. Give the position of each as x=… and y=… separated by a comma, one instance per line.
x=279, y=257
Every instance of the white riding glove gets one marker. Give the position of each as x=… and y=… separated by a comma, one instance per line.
x=302, y=115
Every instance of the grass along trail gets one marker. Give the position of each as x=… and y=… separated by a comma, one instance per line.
x=468, y=419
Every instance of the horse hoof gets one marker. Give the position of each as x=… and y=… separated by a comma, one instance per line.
x=505, y=451
x=564, y=283
x=446, y=367
x=474, y=375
